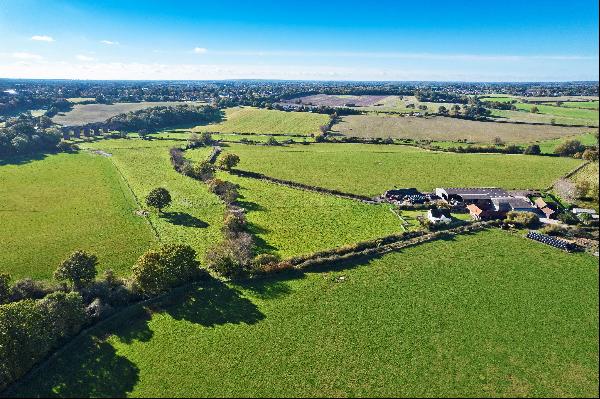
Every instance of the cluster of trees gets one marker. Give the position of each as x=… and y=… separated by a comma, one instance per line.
x=574, y=148
x=25, y=134
x=149, y=120
x=504, y=105
x=37, y=317
x=428, y=95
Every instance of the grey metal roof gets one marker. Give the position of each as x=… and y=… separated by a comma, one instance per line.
x=477, y=193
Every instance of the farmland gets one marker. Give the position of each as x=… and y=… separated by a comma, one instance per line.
x=89, y=113
x=372, y=169
x=195, y=215
x=336, y=101
x=286, y=220
x=445, y=128
x=254, y=120
x=64, y=202
x=442, y=319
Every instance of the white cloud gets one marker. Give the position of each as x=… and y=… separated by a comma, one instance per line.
x=26, y=56
x=200, y=50
x=156, y=71
x=42, y=38
x=109, y=42
x=84, y=58
x=407, y=56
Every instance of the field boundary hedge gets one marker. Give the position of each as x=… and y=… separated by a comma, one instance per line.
x=375, y=247
x=302, y=186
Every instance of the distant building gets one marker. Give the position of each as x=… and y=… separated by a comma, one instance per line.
x=470, y=195
x=516, y=204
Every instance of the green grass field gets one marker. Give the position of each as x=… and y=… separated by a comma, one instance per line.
x=585, y=116
x=441, y=319
x=372, y=169
x=195, y=215
x=581, y=104
x=53, y=206
x=548, y=146
x=292, y=222
x=448, y=129
x=284, y=219
x=255, y=120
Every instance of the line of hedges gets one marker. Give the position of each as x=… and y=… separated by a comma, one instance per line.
x=378, y=246
x=301, y=186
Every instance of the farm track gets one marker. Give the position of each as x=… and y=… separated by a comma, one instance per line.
x=137, y=200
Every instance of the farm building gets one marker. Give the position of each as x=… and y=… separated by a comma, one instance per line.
x=480, y=211
x=580, y=211
x=548, y=209
x=470, y=195
x=439, y=216
x=408, y=195
x=516, y=204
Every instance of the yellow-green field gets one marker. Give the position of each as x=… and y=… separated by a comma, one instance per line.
x=255, y=120
x=372, y=169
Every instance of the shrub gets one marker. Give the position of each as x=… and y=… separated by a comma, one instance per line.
x=31, y=289
x=79, y=268
x=234, y=223
x=590, y=154
x=267, y=262
x=225, y=190
x=569, y=148
x=554, y=230
x=109, y=289
x=522, y=219
x=533, y=149
x=227, y=161
x=568, y=218
x=4, y=288
x=157, y=271
x=232, y=257
x=203, y=170
x=272, y=141
x=158, y=198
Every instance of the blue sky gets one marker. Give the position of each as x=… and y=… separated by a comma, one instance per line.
x=324, y=40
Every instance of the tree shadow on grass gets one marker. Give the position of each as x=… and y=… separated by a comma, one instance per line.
x=274, y=286
x=183, y=219
x=212, y=304
x=21, y=159
x=93, y=369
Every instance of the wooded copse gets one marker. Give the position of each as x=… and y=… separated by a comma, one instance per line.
x=152, y=119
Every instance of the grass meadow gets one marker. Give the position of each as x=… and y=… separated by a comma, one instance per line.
x=291, y=222
x=52, y=206
x=195, y=216
x=441, y=319
x=255, y=120
x=372, y=169
x=447, y=129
